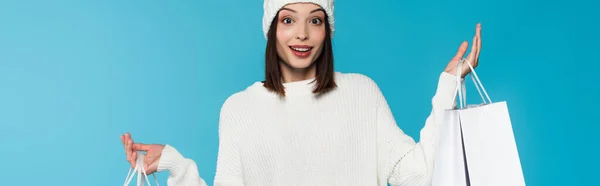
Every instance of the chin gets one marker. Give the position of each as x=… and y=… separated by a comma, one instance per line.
x=300, y=63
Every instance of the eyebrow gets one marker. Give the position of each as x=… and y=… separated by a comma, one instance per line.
x=316, y=10
x=313, y=11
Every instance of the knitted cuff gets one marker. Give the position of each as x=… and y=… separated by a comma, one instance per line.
x=171, y=160
x=445, y=96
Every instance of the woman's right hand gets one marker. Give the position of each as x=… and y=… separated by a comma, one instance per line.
x=152, y=157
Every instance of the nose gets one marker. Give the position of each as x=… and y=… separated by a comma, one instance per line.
x=303, y=33
x=302, y=37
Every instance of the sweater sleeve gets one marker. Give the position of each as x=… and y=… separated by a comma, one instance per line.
x=229, y=165
x=407, y=162
x=184, y=172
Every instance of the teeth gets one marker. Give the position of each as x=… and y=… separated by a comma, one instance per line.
x=301, y=49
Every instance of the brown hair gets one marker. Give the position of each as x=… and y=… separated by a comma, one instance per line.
x=324, y=63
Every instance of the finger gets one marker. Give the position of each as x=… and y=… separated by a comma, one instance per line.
x=473, y=47
x=473, y=51
x=129, y=142
x=141, y=146
x=478, y=40
x=476, y=54
x=126, y=139
x=478, y=30
x=133, y=159
x=461, y=50
x=128, y=145
x=123, y=142
x=471, y=57
x=123, y=139
x=130, y=151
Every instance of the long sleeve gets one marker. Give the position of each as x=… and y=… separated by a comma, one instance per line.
x=407, y=162
x=184, y=172
x=229, y=166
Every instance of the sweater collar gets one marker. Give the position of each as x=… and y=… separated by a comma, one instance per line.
x=301, y=87
x=295, y=88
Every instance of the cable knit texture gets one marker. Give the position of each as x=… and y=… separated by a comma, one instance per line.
x=272, y=7
x=345, y=137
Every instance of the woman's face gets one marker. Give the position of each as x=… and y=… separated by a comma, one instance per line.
x=300, y=34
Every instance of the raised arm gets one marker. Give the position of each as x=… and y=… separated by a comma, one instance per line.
x=407, y=162
x=410, y=163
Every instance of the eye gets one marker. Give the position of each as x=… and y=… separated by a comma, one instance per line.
x=286, y=20
x=316, y=21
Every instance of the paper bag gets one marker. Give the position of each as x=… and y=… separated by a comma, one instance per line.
x=449, y=167
x=491, y=152
x=476, y=144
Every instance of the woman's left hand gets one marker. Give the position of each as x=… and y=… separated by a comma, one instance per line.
x=473, y=56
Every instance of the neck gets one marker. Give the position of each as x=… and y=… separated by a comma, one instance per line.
x=290, y=74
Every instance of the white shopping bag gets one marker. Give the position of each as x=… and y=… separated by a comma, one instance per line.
x=449, y=167
x=141, y=172
x=476, y=144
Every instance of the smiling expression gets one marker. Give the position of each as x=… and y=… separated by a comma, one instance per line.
x=300, y=34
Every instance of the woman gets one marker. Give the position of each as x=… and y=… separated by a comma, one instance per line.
x=307, y=124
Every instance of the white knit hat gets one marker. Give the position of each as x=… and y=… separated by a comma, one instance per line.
x=271, y=7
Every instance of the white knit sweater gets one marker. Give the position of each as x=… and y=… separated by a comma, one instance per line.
x=346, y=137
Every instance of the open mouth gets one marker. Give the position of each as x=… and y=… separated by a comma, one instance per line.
x=301, y=51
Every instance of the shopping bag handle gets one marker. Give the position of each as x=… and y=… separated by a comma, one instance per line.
x=140, y=170
x=460, y=87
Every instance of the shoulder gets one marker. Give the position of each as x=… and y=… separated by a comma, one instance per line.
x=236, y=101
x=356, y=81
x=360, y=87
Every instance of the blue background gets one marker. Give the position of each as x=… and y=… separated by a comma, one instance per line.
x=74, y=75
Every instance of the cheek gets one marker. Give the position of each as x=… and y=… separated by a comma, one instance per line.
x=284, y=33
x=318, y=33
x=282, y=36
x=318, y=37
